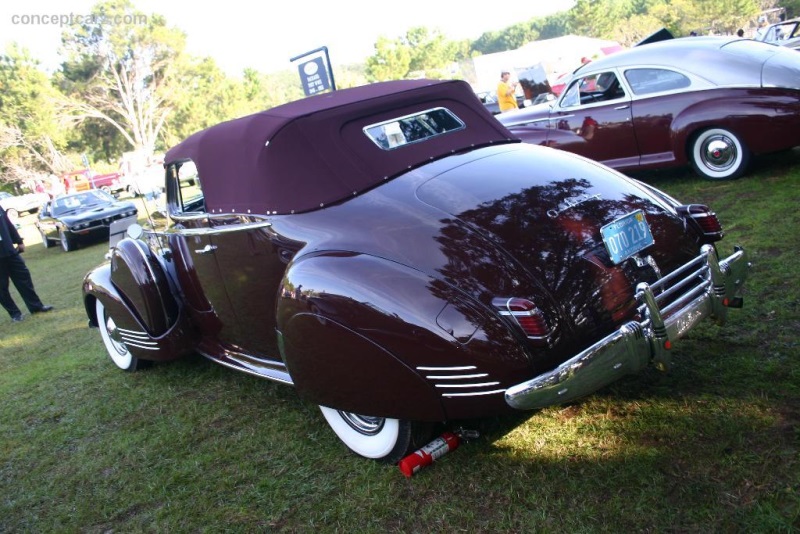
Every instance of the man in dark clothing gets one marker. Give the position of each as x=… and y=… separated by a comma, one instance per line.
x=13, y=267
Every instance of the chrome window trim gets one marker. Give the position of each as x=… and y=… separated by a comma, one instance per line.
x=219, y=230
x=453, y=116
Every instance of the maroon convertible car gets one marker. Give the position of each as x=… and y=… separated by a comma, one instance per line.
x=711, y=102
x=400, y=259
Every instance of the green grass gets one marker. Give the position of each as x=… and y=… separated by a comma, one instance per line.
x=712, y=446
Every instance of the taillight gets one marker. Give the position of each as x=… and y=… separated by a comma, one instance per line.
x=704, y=220
x=526, y=315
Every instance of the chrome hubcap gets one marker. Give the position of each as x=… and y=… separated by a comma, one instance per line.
x=369, y=426
x=719, y=153
x=114, y=336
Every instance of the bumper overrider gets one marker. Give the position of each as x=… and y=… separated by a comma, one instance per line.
x=637, y=344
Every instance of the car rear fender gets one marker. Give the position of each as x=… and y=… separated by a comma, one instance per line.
x=173, y=342
x=141, y=280
x=752, y=119
x=359, y=333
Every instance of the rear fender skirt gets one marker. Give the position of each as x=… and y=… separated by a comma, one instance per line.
x=177, y=340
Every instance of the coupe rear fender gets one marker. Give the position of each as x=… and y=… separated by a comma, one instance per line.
x=752, y=119
x=135, y=291
x=360, y=332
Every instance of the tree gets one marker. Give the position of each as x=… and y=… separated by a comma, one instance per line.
x=391, y=60
x=630, y=31
x=421, y=52
x=555, y=25
x=121, y=68
x=598, y=18
x=30, y=138
x=726, y=17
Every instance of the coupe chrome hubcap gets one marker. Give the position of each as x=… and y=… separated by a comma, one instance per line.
x=719, y=153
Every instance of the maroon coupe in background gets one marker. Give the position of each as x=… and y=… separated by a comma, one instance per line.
x=397, y=256
x=711, y=102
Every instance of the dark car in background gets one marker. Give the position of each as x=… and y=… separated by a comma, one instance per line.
x=81, y=218
x=398, y=257
x=711, y=102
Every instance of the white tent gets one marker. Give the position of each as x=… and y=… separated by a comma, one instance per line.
x=556, y=56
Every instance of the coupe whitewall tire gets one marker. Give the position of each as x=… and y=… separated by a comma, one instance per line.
x=718, y=154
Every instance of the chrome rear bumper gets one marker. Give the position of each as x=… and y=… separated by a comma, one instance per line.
x=637, y=344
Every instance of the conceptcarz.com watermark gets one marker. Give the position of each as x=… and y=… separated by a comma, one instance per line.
x=71, y=19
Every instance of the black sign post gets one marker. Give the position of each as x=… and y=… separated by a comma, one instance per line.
x=315, y=71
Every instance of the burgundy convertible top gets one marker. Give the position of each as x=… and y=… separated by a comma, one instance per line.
x=307, y=154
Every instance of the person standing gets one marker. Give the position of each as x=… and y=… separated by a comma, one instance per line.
x=506, y=93
x=12, y=267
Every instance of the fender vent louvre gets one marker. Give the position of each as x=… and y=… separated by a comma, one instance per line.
x=460, y=381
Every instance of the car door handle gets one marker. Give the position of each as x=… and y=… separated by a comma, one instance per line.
x=626, y=106
x=208, y=249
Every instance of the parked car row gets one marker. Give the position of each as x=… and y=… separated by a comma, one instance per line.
x=708, y=102
x=396, y=255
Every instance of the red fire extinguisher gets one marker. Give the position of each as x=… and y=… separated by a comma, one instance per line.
x=429, y=453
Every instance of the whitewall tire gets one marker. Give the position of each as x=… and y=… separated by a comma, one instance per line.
x=115, y=347
x=718, y=154
x=378, y=438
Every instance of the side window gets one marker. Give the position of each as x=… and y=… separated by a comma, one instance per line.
x=572, y=95
x=647, y=81
x=186, y=184
x=593, y=88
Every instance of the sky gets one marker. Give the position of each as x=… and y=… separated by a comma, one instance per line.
x=266, y=35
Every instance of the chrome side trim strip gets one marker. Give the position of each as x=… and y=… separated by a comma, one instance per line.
x=219, y=230
x=479, y=385
x=474, y=394
x=455, y=377
x=137, y=339
x=465, y=381
x=181, y=217
x=269, y=374
x=448, y=368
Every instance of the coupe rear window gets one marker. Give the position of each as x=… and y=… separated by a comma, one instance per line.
x=413, y=128
x=647, y=81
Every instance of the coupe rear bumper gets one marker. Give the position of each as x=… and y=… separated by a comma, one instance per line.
x=637, y=344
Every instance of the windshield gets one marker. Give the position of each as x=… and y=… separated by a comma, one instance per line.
x=81, y=201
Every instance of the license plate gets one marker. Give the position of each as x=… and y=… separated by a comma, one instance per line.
x=626, y=236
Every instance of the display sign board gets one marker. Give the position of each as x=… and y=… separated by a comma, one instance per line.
x=316, y=74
